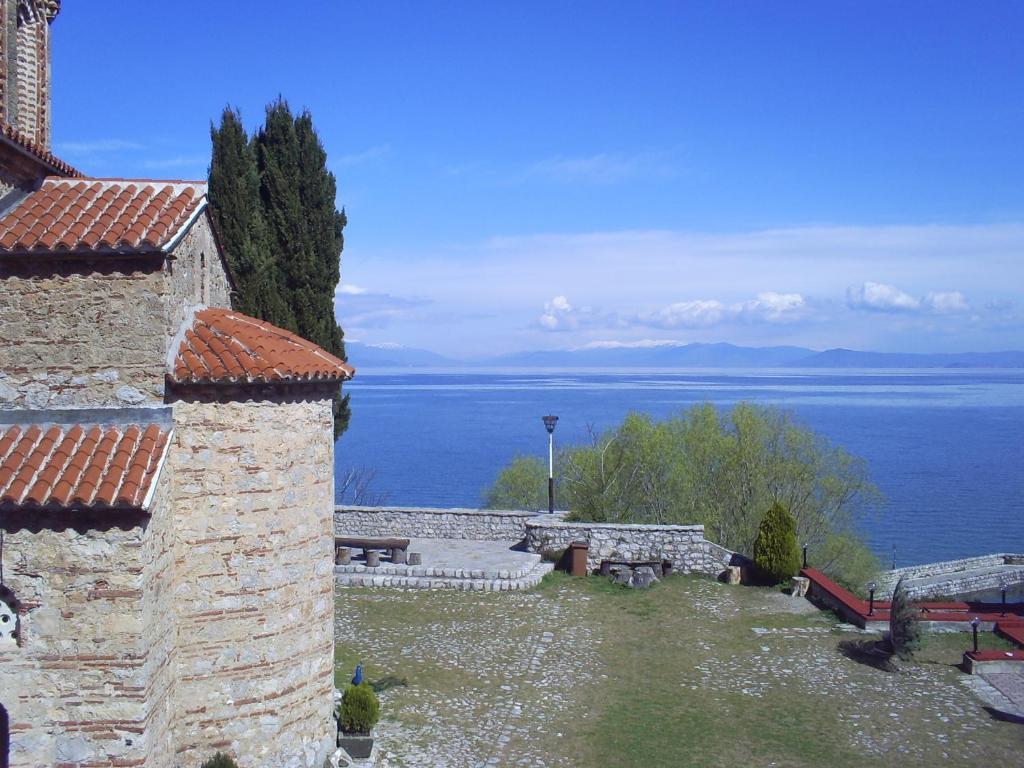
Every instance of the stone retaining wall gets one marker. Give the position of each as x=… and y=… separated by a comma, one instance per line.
x=960, y=580
x=682, y=545
x=432, y=523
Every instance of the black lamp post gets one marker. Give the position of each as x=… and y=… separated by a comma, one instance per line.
x=805, y=555
x=549, y=425
x=974, y=628
x=871, y=598
x=1002, y=591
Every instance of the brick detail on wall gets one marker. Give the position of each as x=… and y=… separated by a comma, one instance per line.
x=254, y=580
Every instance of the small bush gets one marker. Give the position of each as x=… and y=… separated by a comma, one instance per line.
x=904, y=629
x=220, y=760
x=359, y=709
x=776, y=553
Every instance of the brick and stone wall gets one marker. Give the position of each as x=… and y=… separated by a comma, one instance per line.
x=96, y=332
x=25, y=71
x=81, y=332
x=432, y=523
x=76, y=687
x=254, y=580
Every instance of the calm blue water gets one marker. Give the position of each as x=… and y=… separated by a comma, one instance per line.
x=946, y=448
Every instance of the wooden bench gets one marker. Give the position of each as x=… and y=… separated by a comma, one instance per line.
x=396, y=548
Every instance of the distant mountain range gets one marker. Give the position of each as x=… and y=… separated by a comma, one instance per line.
x=680, y=356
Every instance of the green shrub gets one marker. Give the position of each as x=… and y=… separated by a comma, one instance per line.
x=904, y=629
x=220, y=760
x=359, y=709
x=776, y=553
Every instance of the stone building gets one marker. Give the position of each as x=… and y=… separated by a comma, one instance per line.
x=166, y=473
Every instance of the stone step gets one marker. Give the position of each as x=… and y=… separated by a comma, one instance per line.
x=528, y=561
x=361, y=576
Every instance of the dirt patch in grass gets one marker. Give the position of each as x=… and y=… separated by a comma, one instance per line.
x=689, y=673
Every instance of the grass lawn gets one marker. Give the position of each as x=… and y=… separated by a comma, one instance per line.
x=689, y=673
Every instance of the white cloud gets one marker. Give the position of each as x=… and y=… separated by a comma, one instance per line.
x=946, y=302
x=349, y=289
x=776, y=307
x=601, y=168
x=180, y=161
x=768, y=307
x=688, y=314
x=361, y=157
x=558, y=315
x=636, y=273
x=364, y=309
x=880, y=297
x=95, y=146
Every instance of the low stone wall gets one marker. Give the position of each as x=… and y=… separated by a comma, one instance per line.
x=682, y=545
x=432, y=523
x=960, y=576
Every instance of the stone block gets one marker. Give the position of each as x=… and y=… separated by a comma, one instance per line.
x=800, y=586
x=733, y=574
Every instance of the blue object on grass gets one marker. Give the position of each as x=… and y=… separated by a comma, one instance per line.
x=357, y=678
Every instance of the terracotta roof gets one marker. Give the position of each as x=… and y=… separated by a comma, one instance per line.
x=225, y=347
x=79, y=466
x=37, y=152
x=101, y=215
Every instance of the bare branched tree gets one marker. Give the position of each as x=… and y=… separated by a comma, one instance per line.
x=354, y=487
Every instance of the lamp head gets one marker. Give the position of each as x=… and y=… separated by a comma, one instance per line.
x=975, y=622
x=549, y=423
x=871, y=586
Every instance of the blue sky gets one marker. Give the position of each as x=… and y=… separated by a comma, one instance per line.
x=551, y=175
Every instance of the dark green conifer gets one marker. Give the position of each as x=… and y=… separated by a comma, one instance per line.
x=237, y=213
x=776, y=553
x=904, y=629
x=274, y=202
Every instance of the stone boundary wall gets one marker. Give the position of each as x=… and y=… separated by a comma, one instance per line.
x=682, y=545
x=959, y=580
x=432, y=522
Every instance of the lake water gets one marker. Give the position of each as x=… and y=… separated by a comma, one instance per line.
x=946, y=448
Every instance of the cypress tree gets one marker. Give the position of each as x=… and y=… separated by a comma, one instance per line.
x=776, y=553
x=904, y=629
x=274, y=204
x=237, y=212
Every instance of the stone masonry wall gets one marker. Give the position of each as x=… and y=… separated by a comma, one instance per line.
x=254, y=581
x=431, y=523
x=77, y=686
x=81, y=333
x=195, y=276
x=682, y=545
x=96, y=332
x=957, y=577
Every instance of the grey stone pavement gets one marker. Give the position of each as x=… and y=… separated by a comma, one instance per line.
x=469, y=554
x=1002, y=691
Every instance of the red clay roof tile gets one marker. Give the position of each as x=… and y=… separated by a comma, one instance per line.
x=75, y=466
x=222, y=346
x=100, y=214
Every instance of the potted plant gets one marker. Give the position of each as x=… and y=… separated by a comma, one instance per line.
x=357, y=714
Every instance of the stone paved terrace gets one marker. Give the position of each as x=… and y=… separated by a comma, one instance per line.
x=465, y=564
x=689, y=673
